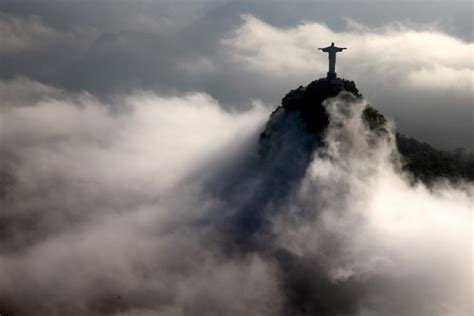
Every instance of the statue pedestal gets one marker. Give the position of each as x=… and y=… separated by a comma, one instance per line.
x=332, y=75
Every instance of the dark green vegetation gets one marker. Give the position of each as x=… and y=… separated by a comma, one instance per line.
x=308, y=100
x=421, y=160
x=429, y=164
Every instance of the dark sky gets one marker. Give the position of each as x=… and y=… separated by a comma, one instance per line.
x=107, y=47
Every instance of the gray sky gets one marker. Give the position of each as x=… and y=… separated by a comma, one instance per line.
x=107, y=47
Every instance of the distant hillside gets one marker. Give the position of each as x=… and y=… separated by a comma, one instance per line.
x=424, y=162
x=428, y=164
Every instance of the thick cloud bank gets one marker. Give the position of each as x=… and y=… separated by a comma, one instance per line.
x=383, y=246
x=98, y=214
x=411, y=59
x=130, y=210
x=391, y=51
x=419, y=75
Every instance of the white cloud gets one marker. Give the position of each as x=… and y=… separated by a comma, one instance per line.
x=393, y=51
x=124, y=219
x=151, y=133
x=407, y=248
x=114, y=194
x=421, y=77
x=22, y=91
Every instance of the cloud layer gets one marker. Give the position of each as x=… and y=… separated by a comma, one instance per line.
x=97, y=210
x=411, y=60
x=129, y=210
x=421, y=77
x=130, y=179
x=385, y=247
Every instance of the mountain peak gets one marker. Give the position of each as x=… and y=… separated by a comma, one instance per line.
x=309, y=100
x=297, y=127
x=303, y=108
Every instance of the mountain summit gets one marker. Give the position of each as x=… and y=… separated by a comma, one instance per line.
x=298, y=125
x=308, y=101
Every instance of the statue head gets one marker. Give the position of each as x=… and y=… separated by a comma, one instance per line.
x=332, y=44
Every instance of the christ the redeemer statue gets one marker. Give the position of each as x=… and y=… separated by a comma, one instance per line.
x=332, y=50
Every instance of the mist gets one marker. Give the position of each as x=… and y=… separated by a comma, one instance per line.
x=419, y=76
x=138, y=205
x=135, y=179
x=101, y=206
x=418, y=54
